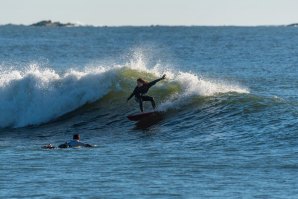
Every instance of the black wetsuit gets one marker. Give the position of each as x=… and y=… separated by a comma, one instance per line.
x=139, y=93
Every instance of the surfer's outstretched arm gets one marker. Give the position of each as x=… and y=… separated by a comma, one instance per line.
x=132, y=94
x=155, y=81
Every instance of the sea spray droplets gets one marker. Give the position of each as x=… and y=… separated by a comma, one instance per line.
x=191, y=83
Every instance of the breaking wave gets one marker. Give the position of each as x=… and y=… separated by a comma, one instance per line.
x=37, y=95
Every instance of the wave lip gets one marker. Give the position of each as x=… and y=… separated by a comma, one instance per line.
x=192, y=84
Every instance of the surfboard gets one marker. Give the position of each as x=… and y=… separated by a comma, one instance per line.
x=140, y=116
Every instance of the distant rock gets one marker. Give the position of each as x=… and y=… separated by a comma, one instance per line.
x=49, y=23
x=293, y=25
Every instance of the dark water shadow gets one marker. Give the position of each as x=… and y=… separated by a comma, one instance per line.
x=149, y=121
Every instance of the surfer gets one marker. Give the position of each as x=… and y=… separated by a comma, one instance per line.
x=74, y=143
x=141, y=89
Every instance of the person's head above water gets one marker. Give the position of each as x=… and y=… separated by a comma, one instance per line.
x=141, y=82
x=76, y=137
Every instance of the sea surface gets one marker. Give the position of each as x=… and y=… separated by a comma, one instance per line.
x=228, y=112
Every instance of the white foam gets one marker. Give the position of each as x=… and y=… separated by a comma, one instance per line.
x=192, y=85
x=36, y=95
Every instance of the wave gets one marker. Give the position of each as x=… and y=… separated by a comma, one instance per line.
x=37, y=95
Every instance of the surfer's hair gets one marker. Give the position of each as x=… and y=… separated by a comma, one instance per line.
x=141, y=81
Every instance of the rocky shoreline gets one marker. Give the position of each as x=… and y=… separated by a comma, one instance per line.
x=49, y=23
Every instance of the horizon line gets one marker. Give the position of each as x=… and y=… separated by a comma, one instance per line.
x=82, y=24
x=78, y=24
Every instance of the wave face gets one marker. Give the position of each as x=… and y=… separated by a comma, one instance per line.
x=36, y=95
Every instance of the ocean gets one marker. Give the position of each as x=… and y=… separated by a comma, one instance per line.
x=227, y=124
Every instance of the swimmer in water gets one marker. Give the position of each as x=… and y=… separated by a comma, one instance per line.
x=75, y=142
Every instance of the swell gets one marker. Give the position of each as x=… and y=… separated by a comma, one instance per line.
x=36, y=95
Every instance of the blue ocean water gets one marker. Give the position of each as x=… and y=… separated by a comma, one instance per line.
x=228, y=112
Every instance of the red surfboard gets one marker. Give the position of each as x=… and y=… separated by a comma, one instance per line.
x=140, y=116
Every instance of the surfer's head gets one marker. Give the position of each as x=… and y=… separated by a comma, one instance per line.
x=141, y=82
x=76, y=137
